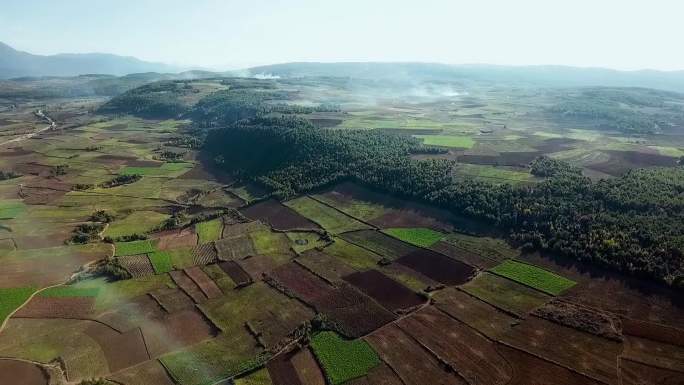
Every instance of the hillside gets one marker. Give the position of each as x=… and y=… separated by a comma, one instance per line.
x=14, y=63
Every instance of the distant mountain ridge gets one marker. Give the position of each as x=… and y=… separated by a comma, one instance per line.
x=14, y=63
x=539, y=75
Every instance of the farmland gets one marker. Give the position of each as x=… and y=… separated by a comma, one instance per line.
x=371, y=260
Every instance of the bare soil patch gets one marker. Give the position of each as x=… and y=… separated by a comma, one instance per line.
x=438, y=267
x=177, y=330
x=172, y=300
x=238, y=247
x=653, y=331
x=204, y=282
x=21, y=373
x=413, y=364
x=386, y=291
x=380, y=375
x=580, y=318
x=299, y=282
x=654, y=353
x=121, y=349
x=282, y=371
x=324, y=265
x=236, y=273
x=57, y=307
x=258, y=265
x=471, y=355
x=514, y=159
x=307, y=368
x=635, y=373
x=188, y=286
x=278, y=216
x=556, y=144
x=379, y=243
x=623, y=161
x=175, y=239
x=148, y=373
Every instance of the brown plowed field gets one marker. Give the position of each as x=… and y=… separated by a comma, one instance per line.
x=300, y=282
x=653, y=331
x=477, y=314
x=282, y=371
x=58, y=307
x=635, y=373
x=233, y=248
x=379, y=243
x=379, y=375
x=471, y=355
x=386, y=291
x=203, y=281
x=21, y=373
x=307, y=368
x=237, y=229
x=175, y=331
x=463, y=255
x=438, y=267
x=137, y=265
x=413, y=364
x=278, y=215
x=172, y=300
x=121, y=349
x=188, y=286
x=623, y=161
x=530, y=370
x=132, y=313
x=324, y=265
x=236, y=273
x=177, y=239
x=204, y=254
x=658, y=354
x=594, y=357
x=148, y=373
x=258, y=265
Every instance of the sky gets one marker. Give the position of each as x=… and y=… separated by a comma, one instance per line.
x=229, y=34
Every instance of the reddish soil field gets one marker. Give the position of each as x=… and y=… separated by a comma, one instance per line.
x=463, y=255
x=438, y=267
x=386, y=291
x=591, y=356
x=148, y=373
x=580, y=318
x=236, y=273
x=138, y=265
x=653, y=331
x=301, y=283
x=188, y=286
x=282, y=371
x=21, y=373
x=380, y=375
x=356, y=314
x=635, y=373
x=58, y=307
x=324, y=265
x=172, y=300
x=204, y=282
x=472, y=356
x=379, y=243
x=658, y=354
x=530, y=370
x=33, y=168
x=257, y=266
x=120, y=349
x=477, y=314
x=413, y=364
x=307, y=368
x=41, y=191
x=277, y=215
x=175, y=331
x=204, y=254
x=233, y=248
x=174, y=239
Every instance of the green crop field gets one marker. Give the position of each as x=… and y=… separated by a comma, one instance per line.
x=419, y=236
x=70, y=291
x=343, y=360
x=260, y=377
x=133, y=248
x=209, y=231
x=161, y=261
x=447, y=141
x=165, y=170
x=11, y=208
x=533, y=276
x=329, y=218
x=12, y=298
x=139, y=222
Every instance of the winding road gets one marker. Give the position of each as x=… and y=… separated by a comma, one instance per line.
x=42, y=115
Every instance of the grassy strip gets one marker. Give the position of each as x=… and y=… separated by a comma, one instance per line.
x=419, y=236
x=209, y=231
x=10, y=209
x=161, y=261
x=133, y=248
x=11, y=299
x=343, y=360
x=533, y=276
x=70, y=291
x=260, y=377
x=166, y=169
x=447, y=140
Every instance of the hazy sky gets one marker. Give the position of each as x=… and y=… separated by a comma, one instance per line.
x=623, y=34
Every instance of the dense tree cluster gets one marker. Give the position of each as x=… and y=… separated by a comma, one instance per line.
x=156, y=100
x=544, y=166
x=633, y=223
